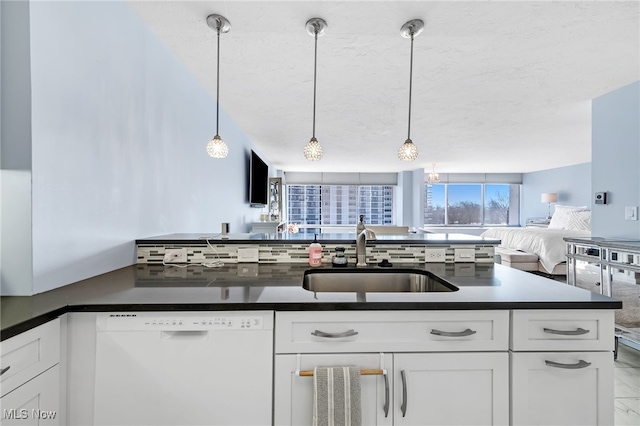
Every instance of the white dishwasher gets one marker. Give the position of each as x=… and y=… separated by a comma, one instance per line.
x=184, y=368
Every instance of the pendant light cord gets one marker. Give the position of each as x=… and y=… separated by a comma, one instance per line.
x=315, y=66
x=218, y=85
x=410, y=87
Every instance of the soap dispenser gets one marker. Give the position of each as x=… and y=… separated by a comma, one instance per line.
x=315, y=252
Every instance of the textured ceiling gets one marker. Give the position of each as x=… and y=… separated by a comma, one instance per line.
x=498, y=86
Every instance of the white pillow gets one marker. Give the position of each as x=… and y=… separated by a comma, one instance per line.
x=579, y=220
x=562, y=217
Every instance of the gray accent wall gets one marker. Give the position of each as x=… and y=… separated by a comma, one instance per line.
x=15, y=150
x=615, y=166
x=118, y=134
x=571, y=183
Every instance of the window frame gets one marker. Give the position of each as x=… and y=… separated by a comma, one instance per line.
x=482, y=205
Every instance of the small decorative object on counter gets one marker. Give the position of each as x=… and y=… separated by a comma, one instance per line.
x=339, y=259
x=292, y=228
x=315, y=252
x=224, y=233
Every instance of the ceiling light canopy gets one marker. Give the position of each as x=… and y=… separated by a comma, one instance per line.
x=315, y=27
x=408, y=151
x=216, y=147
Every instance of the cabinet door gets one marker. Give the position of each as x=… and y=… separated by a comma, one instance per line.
x=293, y=395
x=451, y=389
x=562, y=388
x=34, y=403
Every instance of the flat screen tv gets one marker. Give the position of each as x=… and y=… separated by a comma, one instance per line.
x=258, y=181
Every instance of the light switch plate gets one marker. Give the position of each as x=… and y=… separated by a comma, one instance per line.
x=465, y=255
x=631, y=213
x=248, y=255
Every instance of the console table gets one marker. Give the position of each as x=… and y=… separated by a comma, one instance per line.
x=610, y=256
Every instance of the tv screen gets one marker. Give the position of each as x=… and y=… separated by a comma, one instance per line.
x=258, y=181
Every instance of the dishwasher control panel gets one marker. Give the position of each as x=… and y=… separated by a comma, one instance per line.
x=191, y=321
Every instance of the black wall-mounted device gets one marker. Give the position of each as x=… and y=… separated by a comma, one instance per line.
x=601, y=198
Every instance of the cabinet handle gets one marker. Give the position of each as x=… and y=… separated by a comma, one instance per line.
x=347, y=333
x=4, y=370
x=386, y=395
x=580, y=364
x=467, y=332
x=577, y=332
x=404, y=393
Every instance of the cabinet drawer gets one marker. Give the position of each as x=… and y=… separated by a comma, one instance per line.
x=391, y=331
x=28, y=354
x=562, y=330
x=562, y=388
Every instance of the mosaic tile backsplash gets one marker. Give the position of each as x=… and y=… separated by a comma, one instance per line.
x=298, y=253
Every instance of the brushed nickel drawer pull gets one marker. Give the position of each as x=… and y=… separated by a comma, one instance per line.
x=580, y=364
x=386, y=396
x=347, y=333
x=577, y=332
x=403, y=407
x=467, y=332
x=4, y=370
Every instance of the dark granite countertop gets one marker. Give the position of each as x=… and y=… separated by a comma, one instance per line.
x=307, y=238
x=245, y=286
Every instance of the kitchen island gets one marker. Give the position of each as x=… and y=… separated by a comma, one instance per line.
x=501, y=337
x=249, y=286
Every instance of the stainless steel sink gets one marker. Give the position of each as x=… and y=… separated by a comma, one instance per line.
x=373, y=281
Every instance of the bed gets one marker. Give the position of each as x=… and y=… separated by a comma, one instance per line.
x=546, y=243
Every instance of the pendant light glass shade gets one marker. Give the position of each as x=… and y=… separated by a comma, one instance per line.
x=408, y=151
x=216, y=147
x=313, y=150
x=433, y=177
x=315, y=27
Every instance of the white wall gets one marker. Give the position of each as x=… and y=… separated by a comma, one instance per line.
x=616, y=161
x=119, y=128
x=571, y=183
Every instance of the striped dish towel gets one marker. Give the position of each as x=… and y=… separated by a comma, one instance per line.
x=336, y=396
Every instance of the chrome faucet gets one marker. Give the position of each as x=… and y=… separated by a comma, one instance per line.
x=361, y=246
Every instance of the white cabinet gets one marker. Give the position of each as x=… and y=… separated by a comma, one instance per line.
x=392, y=331
x=562, y=367
x=562, y=388
x=293, y=397
x=30, y=376
x=34, y=403
x=451, y=389
x=444, y=367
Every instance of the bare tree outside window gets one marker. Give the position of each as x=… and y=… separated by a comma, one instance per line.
x=472, y=204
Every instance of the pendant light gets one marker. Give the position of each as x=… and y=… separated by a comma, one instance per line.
x=216, y=147
x=433, y=177
x=315, y=27
x=408, y=151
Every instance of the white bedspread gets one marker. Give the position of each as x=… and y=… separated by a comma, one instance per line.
x=548, y=244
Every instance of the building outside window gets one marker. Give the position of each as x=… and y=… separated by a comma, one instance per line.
x=314, y=206
x=472, y=204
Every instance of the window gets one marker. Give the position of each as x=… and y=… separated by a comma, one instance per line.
x=472, y=204
x=309, y=205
